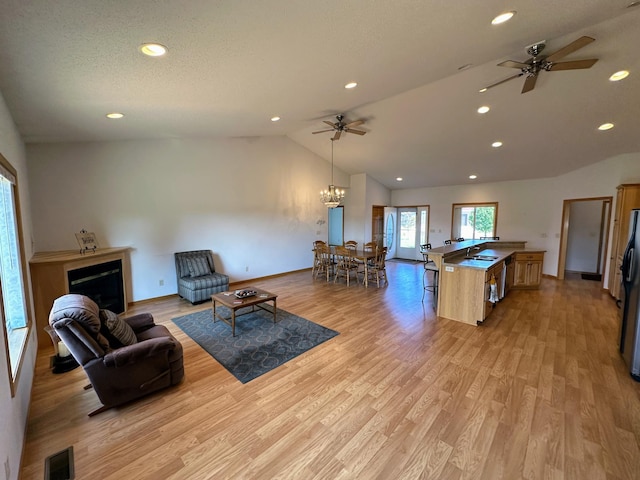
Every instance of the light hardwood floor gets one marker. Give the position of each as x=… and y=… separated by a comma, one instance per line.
x=537, y=392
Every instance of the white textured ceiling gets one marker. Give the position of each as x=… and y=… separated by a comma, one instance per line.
x=232, y=65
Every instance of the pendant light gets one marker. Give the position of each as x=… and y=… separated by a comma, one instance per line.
x=332, y=196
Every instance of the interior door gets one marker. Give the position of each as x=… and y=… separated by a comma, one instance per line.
x=336, y=226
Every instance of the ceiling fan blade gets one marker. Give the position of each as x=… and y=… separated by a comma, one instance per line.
x=512, y=64
x=337, y=135
x=332, y=125
x=572, y=47
x=354, y=124
x=357, y=132
x=322, y=131
x=529, y=83
x=503, y=81
x=574, y=65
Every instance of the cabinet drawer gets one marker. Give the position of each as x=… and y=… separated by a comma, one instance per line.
x=529, y=256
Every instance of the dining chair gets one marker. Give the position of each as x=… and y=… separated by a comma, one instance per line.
x=346, y=265
x=460, y=239
x=325, y=261
x=370, y=246
x=317, y=258
x=429, y=266
x=379, y=269
x=367, y=247
x=351, y=244
x=447, y=242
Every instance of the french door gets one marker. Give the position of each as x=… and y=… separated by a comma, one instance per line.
x=413, y=228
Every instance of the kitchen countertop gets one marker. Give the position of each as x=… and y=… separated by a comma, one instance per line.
x=459, y=260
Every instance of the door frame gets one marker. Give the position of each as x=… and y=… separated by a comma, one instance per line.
x=417, y=209
x=564, y=232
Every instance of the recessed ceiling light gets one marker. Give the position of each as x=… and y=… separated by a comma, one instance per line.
x=275, y=119
x=606, y=126
x=399, y=179
x=153, y=49
x=633, y=4
x=483, y=109
x=496, y=144
x=351, y=85
x=465, y=66
x=619, y=75
x=503, y=17
x=115, y=115
x=473, y=177
x=482, y=90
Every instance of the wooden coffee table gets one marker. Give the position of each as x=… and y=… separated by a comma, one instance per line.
x=229, y=300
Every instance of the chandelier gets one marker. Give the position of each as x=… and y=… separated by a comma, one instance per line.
x=332, y=196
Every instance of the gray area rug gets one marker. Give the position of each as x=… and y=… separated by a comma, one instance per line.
x=259, y=345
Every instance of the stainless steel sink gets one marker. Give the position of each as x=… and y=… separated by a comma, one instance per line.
x=486, y=258
x=482, y=258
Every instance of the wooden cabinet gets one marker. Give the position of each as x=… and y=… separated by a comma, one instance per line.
x=627, y=198
x=464, y=292
x=464, y=285
x=511, y=268
x=527, y=270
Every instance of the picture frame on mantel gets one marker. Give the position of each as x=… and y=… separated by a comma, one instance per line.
x=87, y=241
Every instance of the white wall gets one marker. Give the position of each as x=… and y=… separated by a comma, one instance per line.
x=363, y=194
x=14, y=410
x=529, y=210
x=253, y=201
x=583, y=238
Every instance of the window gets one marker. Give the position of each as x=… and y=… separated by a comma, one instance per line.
x=474, y=220
x=408, y=229
x=14, y=311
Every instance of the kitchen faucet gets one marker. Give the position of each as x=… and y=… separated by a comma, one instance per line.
x=472, y=248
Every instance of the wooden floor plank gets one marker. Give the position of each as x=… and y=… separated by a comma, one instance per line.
x=538, y=391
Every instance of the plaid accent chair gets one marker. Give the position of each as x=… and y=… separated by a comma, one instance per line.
x=197, y=277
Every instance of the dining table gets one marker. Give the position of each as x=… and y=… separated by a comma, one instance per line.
x=361, y=255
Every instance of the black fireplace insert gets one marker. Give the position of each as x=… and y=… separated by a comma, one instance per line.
x=102, y=283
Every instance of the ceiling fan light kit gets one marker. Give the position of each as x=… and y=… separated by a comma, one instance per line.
x=538, y=62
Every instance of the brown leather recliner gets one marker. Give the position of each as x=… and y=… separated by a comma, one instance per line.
x=117, y=373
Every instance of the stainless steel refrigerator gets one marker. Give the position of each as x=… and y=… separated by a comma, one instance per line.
x=630, y=324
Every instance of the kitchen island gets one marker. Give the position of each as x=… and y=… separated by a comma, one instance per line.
x=476, y=274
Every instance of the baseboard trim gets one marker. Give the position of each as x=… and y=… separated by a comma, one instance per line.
x=232, y=285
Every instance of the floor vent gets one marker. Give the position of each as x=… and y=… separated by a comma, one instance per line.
x=59, y=466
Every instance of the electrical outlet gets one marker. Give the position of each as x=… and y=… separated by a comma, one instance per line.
x=161, y=282
x=543, y=235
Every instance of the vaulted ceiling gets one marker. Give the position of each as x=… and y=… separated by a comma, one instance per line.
x=234, y=64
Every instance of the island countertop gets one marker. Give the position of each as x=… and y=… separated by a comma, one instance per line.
x=502, y=253
x=463, y=292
